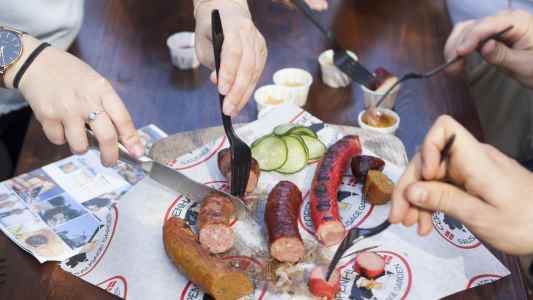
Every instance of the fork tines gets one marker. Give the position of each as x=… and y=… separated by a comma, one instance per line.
x=241, y=160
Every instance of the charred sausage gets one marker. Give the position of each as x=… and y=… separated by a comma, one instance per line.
x=324, y=210
x=206, y=271
x=224, y=165
x=320, y=287
x=214, y=228
x=281, y=217
x=361, y=164
x=370, y=264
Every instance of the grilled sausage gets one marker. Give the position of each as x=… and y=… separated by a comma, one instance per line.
x=320, y=287
x=370, y=264
x=224, y=165
x=281, y=217
x=214, y=228
x=206, y=271
x=363, y=163
x=324, y=210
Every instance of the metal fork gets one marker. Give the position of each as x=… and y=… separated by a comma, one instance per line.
x=341, y=58
x=241, y=155
x=437, y=70
x=354, y=235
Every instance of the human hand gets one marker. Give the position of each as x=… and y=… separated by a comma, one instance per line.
x=62, y=91
x=514, y=55
x=479, y=186
x=318, y=5
x=244, y=51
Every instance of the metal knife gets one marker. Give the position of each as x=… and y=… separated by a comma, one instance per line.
x=347, y=64
x=175, y=180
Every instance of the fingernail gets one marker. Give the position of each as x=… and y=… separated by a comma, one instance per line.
x=229, y=109
x=138, y=150
x=417, y=194
x=223, y=88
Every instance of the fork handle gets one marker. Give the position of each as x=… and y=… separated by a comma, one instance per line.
x=311, y=16
x=217, y=34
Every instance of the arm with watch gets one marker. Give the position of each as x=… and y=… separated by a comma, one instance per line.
x=65, y=93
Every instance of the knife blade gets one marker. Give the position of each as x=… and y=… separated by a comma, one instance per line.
x=353, y=68
x=175, y=180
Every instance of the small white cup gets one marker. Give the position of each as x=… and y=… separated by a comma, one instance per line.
x=182, y=51
x=271, y=95
x=372, y=97
x=386, y=130
x=331, y=75
x=296, y=81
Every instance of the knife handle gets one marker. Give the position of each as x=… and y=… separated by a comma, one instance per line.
x=123, y=153
x=311, y=16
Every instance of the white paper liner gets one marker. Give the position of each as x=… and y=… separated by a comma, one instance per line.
x=130, y=260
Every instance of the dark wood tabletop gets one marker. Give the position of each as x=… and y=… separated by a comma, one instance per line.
x=125, y=41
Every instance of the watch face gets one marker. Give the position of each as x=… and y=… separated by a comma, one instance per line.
x=10, y=47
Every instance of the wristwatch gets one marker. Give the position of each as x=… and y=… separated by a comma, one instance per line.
x=10, y=49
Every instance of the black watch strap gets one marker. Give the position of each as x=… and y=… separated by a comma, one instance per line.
x=27, y=63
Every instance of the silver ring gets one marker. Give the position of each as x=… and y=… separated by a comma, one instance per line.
x=93, y=115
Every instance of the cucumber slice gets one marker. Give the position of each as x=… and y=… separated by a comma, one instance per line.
x=315, y=146
x=296, y=157
x=259, y=140
x=270, y=152
x=303, y=131
x=283, y=129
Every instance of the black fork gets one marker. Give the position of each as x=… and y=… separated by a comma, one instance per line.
x=341, y=58
x=241, y=155
x=437, y=70
x=354, y=235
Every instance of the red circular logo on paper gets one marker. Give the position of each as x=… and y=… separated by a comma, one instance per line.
x=84, y=263
x=482, y=279
x=352, y=208
x=395, y=283
x=454, y=232
x=116, y=285
x=246, y=264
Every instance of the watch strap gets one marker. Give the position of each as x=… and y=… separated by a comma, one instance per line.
x=27, y=63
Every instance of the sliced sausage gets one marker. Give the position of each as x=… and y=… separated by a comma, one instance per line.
x=224, y=165
x=320, y=287
x=361, y=164
x=378, y=188
x=208, y=272
x=214, y=223
x=281, y=217
x=370, y=264
x=324, y=210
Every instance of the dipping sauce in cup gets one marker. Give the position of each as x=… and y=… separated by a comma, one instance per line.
x=269, y=96
x=297, y=83
x=387, y=122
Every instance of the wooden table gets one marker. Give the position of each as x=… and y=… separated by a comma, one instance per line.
x=125, y=41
